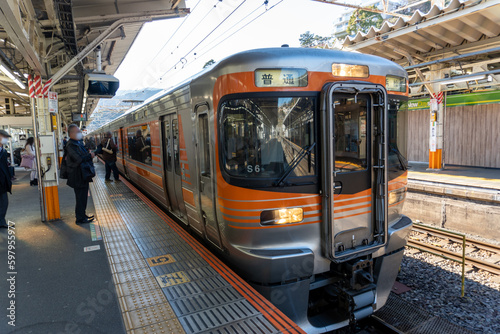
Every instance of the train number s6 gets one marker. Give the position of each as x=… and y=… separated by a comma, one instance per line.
x=252, y=169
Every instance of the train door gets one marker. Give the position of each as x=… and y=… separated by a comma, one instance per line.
x=354, y=154
x=123, y=148
x=171, y=164
x=206, y=175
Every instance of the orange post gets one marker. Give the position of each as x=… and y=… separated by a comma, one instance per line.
x=435, y=159
x=52, y=203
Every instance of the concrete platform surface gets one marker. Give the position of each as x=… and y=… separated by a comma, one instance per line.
x=488, y=178
x=59, y=288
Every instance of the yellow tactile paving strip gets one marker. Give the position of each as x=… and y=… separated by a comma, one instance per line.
x=145, y=309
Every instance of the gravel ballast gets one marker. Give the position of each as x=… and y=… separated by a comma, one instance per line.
x=435, y=286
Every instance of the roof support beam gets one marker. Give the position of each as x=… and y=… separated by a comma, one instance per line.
x=412, y=62
x=463, y=30
x=450, y=59
x=444, y=34
x=485, y=26
x=457, y=78
x=468, y=46
x=25, y=35
x=427, y=40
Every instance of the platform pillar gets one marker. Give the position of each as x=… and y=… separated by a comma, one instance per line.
x=45, y=130
x=436, y=118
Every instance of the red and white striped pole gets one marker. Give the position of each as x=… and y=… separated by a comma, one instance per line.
x=33, y=80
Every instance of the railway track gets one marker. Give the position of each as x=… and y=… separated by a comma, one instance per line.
x=477, y=245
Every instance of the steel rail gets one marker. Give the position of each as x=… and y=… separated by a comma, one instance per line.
x=449, y=255
x=470, y=242
x=383, y=326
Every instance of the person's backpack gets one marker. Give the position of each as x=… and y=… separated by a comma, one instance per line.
x=63, y=171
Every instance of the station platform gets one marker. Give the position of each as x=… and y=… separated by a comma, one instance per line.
x=134, y=270
x=58, y=286
x=470, y=183
x=454, y=197
x=476, y=177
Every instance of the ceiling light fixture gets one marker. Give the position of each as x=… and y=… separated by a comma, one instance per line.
x=8, y=73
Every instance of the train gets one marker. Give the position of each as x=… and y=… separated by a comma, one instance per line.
x=290, y=163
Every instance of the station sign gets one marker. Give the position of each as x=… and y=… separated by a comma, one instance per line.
x=281, y=77
x=76, y=117
x=53, y=108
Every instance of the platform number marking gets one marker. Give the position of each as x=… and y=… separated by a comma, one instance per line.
x=159, y=260
x=91, y=248
x=172, y=279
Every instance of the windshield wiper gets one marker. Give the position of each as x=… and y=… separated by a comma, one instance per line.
x=402, y=161
x=305, y=151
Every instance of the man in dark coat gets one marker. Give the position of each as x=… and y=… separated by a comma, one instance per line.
x=76, y=154
x=108, y=150
x=5, y=178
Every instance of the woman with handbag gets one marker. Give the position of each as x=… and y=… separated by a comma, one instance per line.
x=28, y=160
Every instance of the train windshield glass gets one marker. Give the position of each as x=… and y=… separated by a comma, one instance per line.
x=266, y=137
x=398, y=127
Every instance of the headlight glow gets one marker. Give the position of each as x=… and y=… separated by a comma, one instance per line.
x=282, y=216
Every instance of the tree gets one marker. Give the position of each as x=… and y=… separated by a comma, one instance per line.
x=208, y=63
x=310, y=40
x=363, y=20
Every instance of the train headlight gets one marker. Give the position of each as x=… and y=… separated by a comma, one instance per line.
x=396, y=196
x=282, y=216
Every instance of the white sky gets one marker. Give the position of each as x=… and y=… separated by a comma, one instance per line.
x=146, y=61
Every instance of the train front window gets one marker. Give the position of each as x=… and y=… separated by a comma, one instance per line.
x=398, y=127
x=267, y=137
x=351, y=133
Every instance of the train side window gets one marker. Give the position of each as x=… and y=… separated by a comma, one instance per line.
x=204, y=145
x=175, y=134
x=139, y=144
x=115, y=138
x=131, y=142
x=168, y=145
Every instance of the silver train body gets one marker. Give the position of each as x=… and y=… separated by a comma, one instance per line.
x=290, y=163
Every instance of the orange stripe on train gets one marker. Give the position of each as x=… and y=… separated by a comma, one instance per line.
x=188, y=196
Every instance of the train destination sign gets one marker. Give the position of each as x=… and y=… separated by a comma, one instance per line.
x=281, y=77
x=395, y=83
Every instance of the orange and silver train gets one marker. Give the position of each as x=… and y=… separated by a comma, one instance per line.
x=291, y=163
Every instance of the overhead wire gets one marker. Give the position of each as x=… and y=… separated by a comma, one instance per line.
x=231, y=27
x=176, y=30
x=266, y=11
x=199, y=22
x=204, y=38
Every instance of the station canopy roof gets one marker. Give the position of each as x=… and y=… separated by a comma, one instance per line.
x=41, y=36
x=462, y=26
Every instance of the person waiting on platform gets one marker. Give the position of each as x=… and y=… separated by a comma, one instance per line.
x=5, y=178
x=77, y=159
x=29, y=160
x=108, y=150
